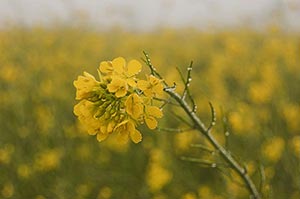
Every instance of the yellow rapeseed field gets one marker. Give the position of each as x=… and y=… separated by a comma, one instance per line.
x=251, y=77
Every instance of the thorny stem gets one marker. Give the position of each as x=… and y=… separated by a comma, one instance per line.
x=199, y=125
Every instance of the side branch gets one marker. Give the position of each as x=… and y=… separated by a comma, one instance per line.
x=199, y=125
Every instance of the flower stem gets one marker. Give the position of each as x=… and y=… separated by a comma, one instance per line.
x=226, y=155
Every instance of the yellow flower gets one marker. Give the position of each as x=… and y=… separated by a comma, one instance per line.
x=93, y=117
x=127, y=129
x=85, y=86
x=84, y=110
x=134, y=106
x=118, y=66
x=118, y=86
x=106, y=67
x=152, y=112
x=115, y=66
x=151, y=87
x=115, y=104
x=122, y=75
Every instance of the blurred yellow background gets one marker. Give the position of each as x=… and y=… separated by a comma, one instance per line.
x=44, y=153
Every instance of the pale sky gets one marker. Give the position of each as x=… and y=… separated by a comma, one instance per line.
x=146, y=15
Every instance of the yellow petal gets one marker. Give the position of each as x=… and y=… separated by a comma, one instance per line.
x=123, y=136
x=84, y=110
x=118, y=86
x=115, y=84
x=89, y=76
x=133, y=106
x=158, y=89
x=135, y=136
x=131, y=82
x=106, y=67
x=92, y=131
x=120, y=125
x=77, y=108
x=138, y=111
x=121, y=92
x=154, y=111
x=148, y=93
x=130, y=125
x=84, y=85
x=119, y=64
x=143, y=85
x=151, y=122
x=133, y=67
x=110, y=127
x=103, y=129
x=153, y=80
x=113, y=87
x=101, y=136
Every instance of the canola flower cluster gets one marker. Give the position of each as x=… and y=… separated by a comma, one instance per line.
x=119, y=101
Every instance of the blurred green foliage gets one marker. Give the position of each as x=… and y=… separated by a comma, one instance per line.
x=45, y=153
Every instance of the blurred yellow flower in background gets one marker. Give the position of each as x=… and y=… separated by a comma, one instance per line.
x=82, y=190
x=7, y=190
x=273, y=148
x=242, y=120
x=6, y=153
x=295, y=145
x=157, y=175
x=104, y=193
x=48, y=160
x=291, y=115
x=189, y=196
x=24, y=170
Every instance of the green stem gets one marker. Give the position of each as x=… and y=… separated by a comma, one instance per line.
x=199, y=125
